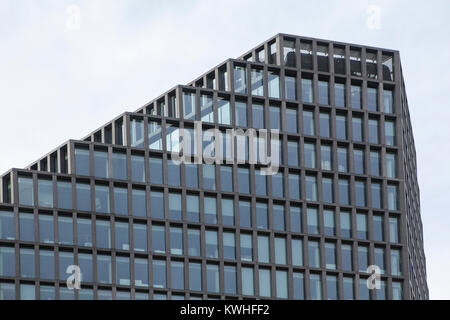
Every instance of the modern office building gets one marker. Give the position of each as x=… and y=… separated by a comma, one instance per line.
x=146, y=214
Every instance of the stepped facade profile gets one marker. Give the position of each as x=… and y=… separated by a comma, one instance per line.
x=287, y=173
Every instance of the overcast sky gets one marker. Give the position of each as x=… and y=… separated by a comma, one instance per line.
x=61, y=76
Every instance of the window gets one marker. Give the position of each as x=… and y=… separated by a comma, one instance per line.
x=212, y=250
x=194, y=248
x=313, y=220
x=210, y=209
x=176, y=240
x=8, y=291
x=379, y=259
x=240, y=108
x=240, y=79
x=290, y=59
x=278, y=185
x=306, y=55
x=376, y=195
x=323, y=92
x=358, y=161
x=327, y=189
x=206, y=108
x=374, y=163
x=65, y=230
x=397, y=290
x=274, y=85
x=26, y=226
x=389, y=132
x=7, y=225
x=123, y=271
x=140, y=272
x=192, y=208
x=224, y=112
x=257, y=79
x=339, y=94
x=45, y=193
x=121, y=201
x=140, y=237
x=212, y=278
x=308, y=123
x=175, y=211
x=27, y=292
x=388, y=101
x=195, y=276
x=226, y=178
x=103, y=234
x=298, y=284
x=158, y=239
x=307, y=91
x=329, y=227
x=157, y=204
x=155, y=140
x=326, y=160
x=265, y=288
x=189, y=106
x=27, y=263
x=361, y=226
x=315, y=283
x=82, y=163
x=260, y=182
x=330, y=255
x=291, y=87
x=339, y=60
x=26, y=196
x=363, y=258
x=280, y=250
x=173, y=173
x=282, y=284
x=378, y=228
x=258, y=116
x=294, y=186
x=278, y=217
x=246, y=247
x=373, y=131
x=172, y=138
x=261, y=215
x=396, y=262
x=342, y=157
x=177, y=274
x=137, y=133
x=119, y=165
x=392, y=197
x=310, y=155
x=209, y=176
x=297, y=252
x=393, y=229
x=322, y=57
x=347, y=257
x=263, y=249
x=344, y=197
x=228, y=211
x=348, y=288
x=357, y=129
x=84, y=232
x=356, y=96
x=346, y=224
x=102, y=199
x=139, y=202
x=360, y=193
x=391, y=165
x=191, y=170
x=341, y=127
x=372, y=99
x=229, y=247
x=325, y=125
x=245, y=214
x=311, y=188
x=64, y=190
x=332, y=287
x=275, y=117
x=247, y=281
x=293, y=153
x=291, y=120
x=7, y=262
x=296, y=219
x=122, y=238
x=355, y=62
x=159, y=273
x=243, y=180
x=65, y=260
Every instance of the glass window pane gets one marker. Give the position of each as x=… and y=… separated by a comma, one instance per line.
x=282, y=284
x=83, y=196
x=296, y=219
x=246, y=247
x=177, y=274
x=280, y=250
x=121, y=200
x=308, y=123
x=175, y=208
x=119, y=165
x=189, y=106
x=123, y=271
x=194, y=246
x=176, y=240
x=227, y=211
x=45, y=193
x=64, y=190
x=195, y=276
x=307, y=91
x=247, y=281
x=156, y=170
x=314, y=254
x=7, y=262
x=341, y=127
x=263, y=249
x=84, y=232
x=137, y=168
x=229, y=247
x=26, y=226
x=257, y=78
x=157, y=204
x=339, y=94
x=7, y=225
x=65, y=230
x=122, y=236
x=313, y=220
x=140, y=237
x=240, y=79
x=315, y=283
x=291, y=87
x=102, y=199
x=159, y=273
x=82, y=163
x=297, y=252
x=323, y=92
x=101, y=164
x=103, y=234
x=212, y=278
x=212, y=250
x=274, y=85
x=158, y=239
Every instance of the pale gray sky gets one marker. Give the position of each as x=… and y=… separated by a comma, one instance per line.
x=59, y=82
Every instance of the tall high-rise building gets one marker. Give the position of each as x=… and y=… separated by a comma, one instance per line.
x=289, y=172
